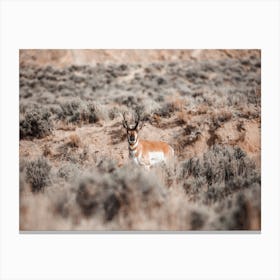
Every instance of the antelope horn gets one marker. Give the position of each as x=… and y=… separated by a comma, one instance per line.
x=137, y=120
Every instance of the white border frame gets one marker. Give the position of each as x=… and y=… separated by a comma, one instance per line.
x=153, y=24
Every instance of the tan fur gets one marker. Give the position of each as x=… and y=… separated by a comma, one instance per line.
x=144, y=147
x=139, y=151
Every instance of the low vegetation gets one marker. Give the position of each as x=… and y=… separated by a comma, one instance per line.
x=36, y=123
x=38, y=174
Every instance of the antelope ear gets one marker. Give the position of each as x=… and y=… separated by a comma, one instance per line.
x=124, y=124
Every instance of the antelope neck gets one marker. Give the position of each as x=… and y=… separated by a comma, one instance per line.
x=133, y=146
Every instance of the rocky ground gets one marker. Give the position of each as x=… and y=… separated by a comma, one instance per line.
x=74, y=167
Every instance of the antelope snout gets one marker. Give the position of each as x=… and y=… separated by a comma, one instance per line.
x=131, y=138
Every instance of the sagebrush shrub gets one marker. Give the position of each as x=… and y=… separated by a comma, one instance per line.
x=38, y=174
x=220, y=172
x=68, y=171
x=78, y=111
x=167, y=110
x=36, y=124
x=125, y=189
x=73, y=110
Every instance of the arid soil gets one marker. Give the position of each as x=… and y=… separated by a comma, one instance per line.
x=75, y=173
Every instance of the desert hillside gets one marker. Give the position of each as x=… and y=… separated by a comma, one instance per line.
x=75, y=173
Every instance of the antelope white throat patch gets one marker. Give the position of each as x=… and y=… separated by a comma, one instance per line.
x=156, y=157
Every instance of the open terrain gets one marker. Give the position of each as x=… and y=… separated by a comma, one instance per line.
x=74, y=168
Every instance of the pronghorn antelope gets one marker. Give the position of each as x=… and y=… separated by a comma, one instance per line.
x=143, y=152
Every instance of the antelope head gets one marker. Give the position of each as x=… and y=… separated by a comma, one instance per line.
x=132, y=130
